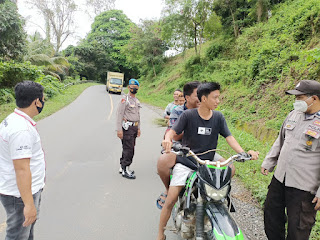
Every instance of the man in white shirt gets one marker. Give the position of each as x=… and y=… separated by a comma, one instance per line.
x=22, y=164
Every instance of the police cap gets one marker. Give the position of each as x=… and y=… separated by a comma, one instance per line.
x=306, y=87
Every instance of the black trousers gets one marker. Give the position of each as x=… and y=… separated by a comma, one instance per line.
x=128, y=144
x=299, y=213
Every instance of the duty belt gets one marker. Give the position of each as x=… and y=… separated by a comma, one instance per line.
x=126, y=124
x=135, y=124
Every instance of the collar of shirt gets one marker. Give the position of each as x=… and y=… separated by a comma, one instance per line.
x=25, y=116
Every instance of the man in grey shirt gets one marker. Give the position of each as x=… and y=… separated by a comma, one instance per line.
x=295, y=185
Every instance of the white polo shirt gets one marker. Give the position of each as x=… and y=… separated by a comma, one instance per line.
x=20, y=139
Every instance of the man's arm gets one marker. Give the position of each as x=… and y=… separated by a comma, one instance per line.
x=167, y=142
x=165, y=114
x=120, y=113
x=316, y=200
x=236, y=147
x=271, y=159
x=24, y=181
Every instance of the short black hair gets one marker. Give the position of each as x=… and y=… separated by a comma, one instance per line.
x=310, y=95
x=206, y=88
x=26, y=92
x=178, y=90
x=189, y=87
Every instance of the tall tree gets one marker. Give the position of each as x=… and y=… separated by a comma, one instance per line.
x=193, y=14
x=59, y=19
x=259, y=9
x=12, y=35
x=146, y=48
x=111, y=30
x=95, y=7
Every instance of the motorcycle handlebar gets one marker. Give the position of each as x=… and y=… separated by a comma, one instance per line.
x=178, y=149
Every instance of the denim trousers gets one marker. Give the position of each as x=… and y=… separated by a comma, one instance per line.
x=14, y=208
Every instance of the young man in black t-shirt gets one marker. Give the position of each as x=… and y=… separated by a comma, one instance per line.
x=201, y=129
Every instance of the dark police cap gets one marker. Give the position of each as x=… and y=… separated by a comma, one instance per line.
x=306, y=87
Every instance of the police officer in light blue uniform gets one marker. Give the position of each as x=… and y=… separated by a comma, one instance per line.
x=128, y=127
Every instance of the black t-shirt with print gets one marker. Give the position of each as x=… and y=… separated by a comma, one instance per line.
x=201, y=135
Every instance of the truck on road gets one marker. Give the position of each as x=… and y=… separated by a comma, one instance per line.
x=114, y=82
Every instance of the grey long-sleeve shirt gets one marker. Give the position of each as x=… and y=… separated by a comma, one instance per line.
x=296, y=152
x=128, y=109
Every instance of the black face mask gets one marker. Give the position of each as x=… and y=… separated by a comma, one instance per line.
x=133, y=90
x=40, y=108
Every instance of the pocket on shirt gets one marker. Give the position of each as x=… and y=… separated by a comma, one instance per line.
x=304, y=142
x=289, y=131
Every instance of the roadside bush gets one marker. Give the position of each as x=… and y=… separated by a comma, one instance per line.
x=52, y=86
x=6, y=95
x=192, y=66
x=12, y=72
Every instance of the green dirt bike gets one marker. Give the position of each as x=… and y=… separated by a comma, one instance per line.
x=202, y=211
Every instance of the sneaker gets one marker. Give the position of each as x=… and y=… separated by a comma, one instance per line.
x=127, y=174
x=129, y=171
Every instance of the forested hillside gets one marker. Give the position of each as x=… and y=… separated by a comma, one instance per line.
x=254, y=68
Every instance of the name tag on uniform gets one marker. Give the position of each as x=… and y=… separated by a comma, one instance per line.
x=312, y=133
x=316, y=122
x=204, y=131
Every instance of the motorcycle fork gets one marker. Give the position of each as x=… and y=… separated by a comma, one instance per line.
x=199, y=218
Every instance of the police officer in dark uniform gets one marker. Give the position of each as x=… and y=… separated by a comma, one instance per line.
x=128, y=127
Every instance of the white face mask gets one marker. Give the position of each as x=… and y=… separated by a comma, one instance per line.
x=301, y=105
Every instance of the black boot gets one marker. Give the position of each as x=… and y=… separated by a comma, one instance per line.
x=127, y=174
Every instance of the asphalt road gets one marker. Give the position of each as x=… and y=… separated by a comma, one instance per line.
x=85, y=198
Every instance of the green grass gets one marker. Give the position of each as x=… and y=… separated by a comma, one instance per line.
x=52, y=105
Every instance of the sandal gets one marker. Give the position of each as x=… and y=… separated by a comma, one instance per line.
x=162, y=200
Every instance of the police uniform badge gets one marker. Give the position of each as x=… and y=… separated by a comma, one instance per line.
x=312, y=133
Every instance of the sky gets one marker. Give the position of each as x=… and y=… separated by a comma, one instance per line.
x=134, y=9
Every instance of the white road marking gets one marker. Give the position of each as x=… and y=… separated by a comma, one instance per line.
x=111, y=105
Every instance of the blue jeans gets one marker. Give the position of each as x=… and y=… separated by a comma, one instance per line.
x=14, y=208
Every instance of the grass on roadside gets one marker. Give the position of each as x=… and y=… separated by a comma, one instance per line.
x=52, y=105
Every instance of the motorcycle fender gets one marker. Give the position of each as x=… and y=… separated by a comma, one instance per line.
x=189, y=186
x=223, y=225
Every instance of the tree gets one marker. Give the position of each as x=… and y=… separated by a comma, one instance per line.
x=259, y=9
x=146, y=48
x=12, y=40
x=58, y=16
x=193, y=15
x=41, y=53
x=98, y=6
x=111, y=31
x=233, y=13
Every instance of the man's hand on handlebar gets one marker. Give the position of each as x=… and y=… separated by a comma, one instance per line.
x=254, y=154
x=167, y=144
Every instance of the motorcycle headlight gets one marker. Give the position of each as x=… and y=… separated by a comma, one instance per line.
x=216, y=194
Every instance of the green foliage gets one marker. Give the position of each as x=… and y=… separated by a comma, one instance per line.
x=192, y=19
x=13, y=72
x=52, y=86
x=12, y=40
x=6, y=96
x=146, y=49
x=193, y=66
x=100, y=52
